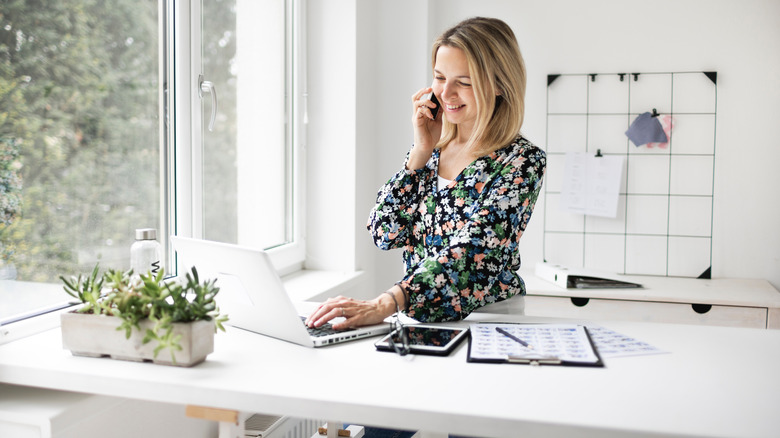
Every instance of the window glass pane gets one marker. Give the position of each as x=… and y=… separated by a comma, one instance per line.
x=79, y=137
x=246, y=159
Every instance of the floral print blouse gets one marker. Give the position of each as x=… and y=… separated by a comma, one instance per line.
x=461, y=241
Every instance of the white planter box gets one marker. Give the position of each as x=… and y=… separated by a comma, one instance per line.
x=97, y=336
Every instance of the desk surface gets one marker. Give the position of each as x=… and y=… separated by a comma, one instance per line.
x=714, y=381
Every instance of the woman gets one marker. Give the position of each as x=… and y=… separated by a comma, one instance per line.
x=464, y=197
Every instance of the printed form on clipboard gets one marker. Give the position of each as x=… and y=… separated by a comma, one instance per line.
x=535, y=344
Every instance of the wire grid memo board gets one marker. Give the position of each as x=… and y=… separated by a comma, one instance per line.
x=664, y=221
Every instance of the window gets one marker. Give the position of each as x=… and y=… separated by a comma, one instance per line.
x=104, y=128
x=79, y=125
x=243, y=154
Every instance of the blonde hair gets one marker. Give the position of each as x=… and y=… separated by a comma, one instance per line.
x=498, y=79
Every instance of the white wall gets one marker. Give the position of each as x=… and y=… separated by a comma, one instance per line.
x=332, y=108
x=395, y=66
x=739, y=40
x=365, y=61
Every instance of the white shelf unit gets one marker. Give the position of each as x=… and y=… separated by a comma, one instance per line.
x=721, y=302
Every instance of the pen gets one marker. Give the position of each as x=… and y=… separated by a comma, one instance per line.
x=513, y=337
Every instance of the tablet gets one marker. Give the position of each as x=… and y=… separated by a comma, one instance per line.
x=426, y=339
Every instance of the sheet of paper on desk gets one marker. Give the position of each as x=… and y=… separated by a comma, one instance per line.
x=613, y=344
x=566, y=342
x=591, y=184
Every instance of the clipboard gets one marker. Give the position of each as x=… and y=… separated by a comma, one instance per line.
x=532, y=344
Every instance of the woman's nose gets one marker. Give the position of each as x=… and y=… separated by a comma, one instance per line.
x=447, y=92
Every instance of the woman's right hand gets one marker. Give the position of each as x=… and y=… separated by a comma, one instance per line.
x=427, y=131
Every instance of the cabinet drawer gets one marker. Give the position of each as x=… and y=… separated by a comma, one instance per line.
x=649, y=311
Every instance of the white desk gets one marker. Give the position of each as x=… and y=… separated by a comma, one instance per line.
x=695, y=390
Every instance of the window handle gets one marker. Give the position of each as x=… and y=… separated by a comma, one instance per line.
x=208, y=87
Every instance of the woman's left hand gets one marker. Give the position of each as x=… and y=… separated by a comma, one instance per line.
x=356, y=313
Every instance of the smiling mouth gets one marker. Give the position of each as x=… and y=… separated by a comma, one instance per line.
x=454, y=107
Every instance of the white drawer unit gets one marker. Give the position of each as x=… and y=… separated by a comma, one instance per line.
x=647, y=311
x=27, y=412
x=721, y=302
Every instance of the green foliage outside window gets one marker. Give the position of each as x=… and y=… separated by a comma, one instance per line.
x=79, y=132
x=10, y=196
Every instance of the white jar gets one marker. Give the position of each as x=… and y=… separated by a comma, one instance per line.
x=145, y=253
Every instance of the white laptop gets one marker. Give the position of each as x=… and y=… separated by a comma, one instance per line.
x=252, y=294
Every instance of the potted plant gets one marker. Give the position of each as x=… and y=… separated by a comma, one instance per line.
x=123, y=313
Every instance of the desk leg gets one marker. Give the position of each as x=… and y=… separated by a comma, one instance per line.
x=231, y=430
x=231, y=423
x=334, y=430
x=429, y=434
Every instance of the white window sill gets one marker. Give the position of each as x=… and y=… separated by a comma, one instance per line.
x=314, y=285
x=303, y=285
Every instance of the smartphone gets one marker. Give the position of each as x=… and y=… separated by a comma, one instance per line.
x=426, y=339
x=432, y=98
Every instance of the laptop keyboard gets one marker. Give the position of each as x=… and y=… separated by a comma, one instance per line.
x=323, y=330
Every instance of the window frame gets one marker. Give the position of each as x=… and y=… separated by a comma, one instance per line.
x=179, y=108
x=185, y=157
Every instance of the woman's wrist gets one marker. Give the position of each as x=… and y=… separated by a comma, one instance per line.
x=396, y=306
x=418, y=157
x=393, y=300
x=386, y=304
x=397, y=298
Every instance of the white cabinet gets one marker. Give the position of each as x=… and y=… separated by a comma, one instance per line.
x=647, y=311
x=27, y=412
x=721, y=302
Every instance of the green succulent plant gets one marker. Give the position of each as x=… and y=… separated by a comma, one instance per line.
x=135, y=298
